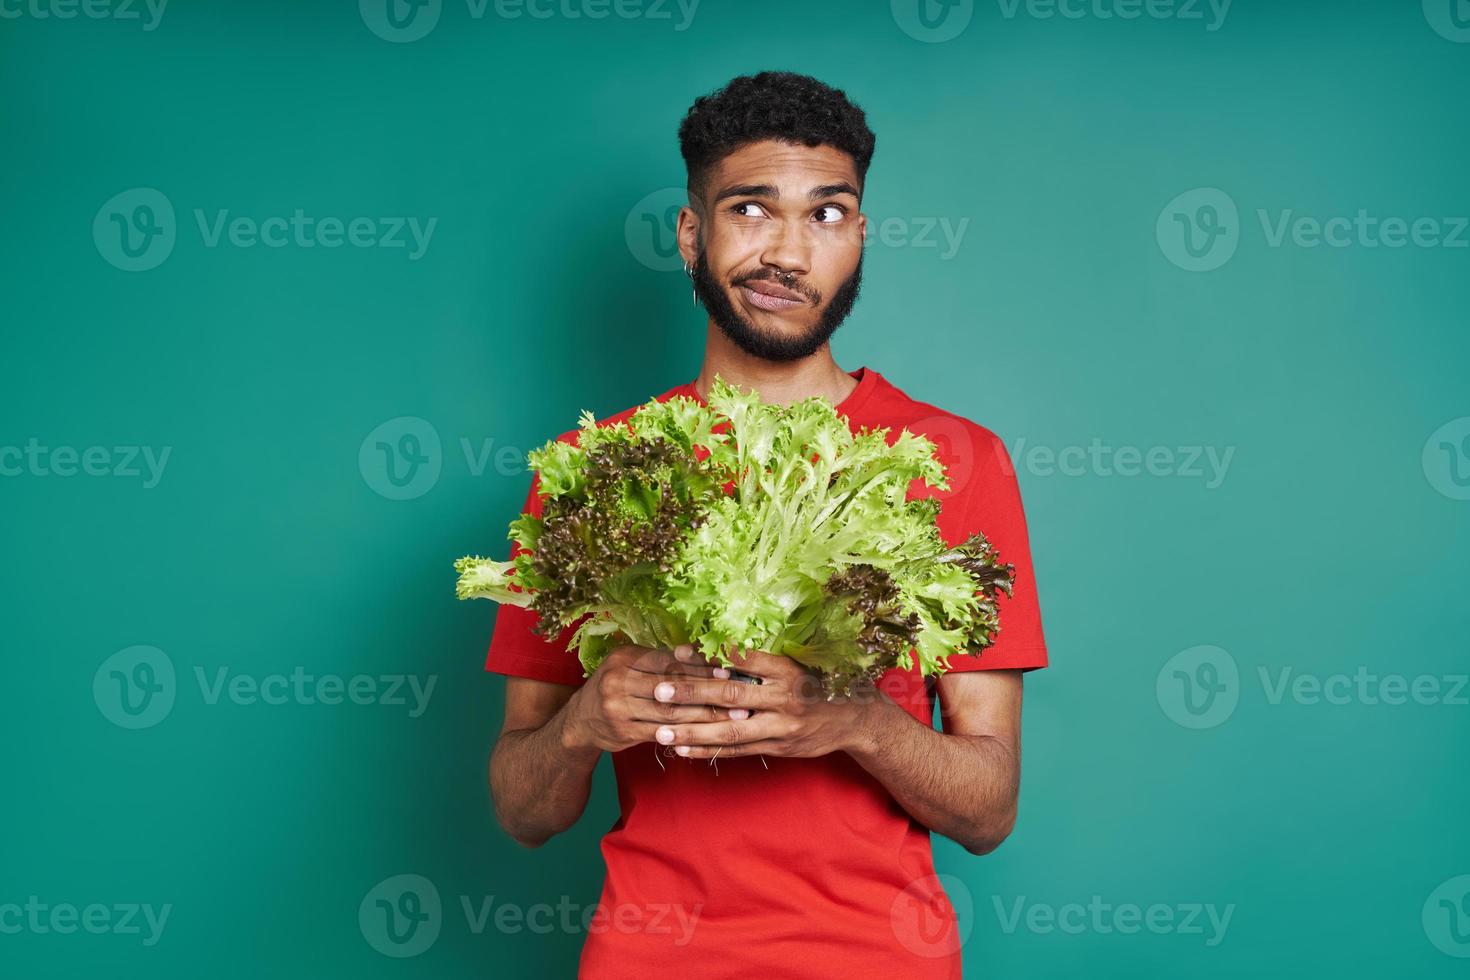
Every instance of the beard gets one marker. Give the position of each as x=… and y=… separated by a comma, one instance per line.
x=764, y=344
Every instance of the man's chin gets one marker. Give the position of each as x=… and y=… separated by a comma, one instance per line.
x=771, y=337
x=793, y=322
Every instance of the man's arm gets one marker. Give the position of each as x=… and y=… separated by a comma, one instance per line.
x=553, y=735
x=538, y=782
x=961, y=782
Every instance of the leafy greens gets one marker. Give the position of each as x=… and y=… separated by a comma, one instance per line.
x=742, y=525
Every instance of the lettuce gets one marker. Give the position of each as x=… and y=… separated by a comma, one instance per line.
x=741, y=525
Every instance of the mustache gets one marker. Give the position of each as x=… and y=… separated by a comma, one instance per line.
x=789, y=281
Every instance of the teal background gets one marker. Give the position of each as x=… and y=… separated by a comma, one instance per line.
x=266, y=546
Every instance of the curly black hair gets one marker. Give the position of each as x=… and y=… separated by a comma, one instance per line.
x=778, y=105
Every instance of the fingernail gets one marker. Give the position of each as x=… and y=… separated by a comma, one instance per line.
x=683, y=651
x=722, y=673
x=739, y=714
x=682, y=749
x=664, y=692
x=666, y=735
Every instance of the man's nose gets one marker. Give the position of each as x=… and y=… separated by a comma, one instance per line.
x=788, y=251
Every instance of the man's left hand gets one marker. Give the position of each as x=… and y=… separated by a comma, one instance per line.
x=786, y=714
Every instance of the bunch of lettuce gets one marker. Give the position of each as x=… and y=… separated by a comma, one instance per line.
x=742, y=525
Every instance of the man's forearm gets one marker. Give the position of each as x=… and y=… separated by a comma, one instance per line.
x=540, y=781
x=961, y=786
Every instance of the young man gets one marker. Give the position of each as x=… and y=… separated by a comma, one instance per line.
x=801, y=847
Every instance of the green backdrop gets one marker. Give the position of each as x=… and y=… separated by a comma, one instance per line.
x=290, y=287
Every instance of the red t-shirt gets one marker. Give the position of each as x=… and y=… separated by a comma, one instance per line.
x=792, y=868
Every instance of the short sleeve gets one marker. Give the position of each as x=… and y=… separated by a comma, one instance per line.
x=990, y=502
x=518, y=651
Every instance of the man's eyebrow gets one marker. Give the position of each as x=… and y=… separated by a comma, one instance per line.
x=832, y=190
x=749, y=190
x=774, y=193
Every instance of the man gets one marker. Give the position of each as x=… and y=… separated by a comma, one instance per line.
x=767, y=832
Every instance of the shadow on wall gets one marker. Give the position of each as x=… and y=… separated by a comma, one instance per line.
x=619, y=324
x=612, y=333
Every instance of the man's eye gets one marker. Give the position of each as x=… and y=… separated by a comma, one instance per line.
x=748, y=209
x=829, y=214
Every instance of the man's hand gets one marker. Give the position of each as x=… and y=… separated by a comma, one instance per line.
x=616, y=707
x=786, y=714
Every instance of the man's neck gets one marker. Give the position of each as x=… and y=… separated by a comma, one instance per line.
x=776, y=382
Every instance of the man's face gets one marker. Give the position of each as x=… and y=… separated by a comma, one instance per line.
x=777, y=246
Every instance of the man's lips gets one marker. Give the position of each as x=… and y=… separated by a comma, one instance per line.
x=766, y=295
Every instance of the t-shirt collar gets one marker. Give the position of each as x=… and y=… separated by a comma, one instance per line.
x=867, y=380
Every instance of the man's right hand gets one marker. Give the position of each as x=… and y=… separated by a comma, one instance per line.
x=616, y=707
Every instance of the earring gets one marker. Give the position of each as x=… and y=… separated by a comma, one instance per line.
x=693, y=293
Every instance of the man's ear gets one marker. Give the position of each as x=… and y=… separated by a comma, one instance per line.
x=862, y=229
x=688, y=234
